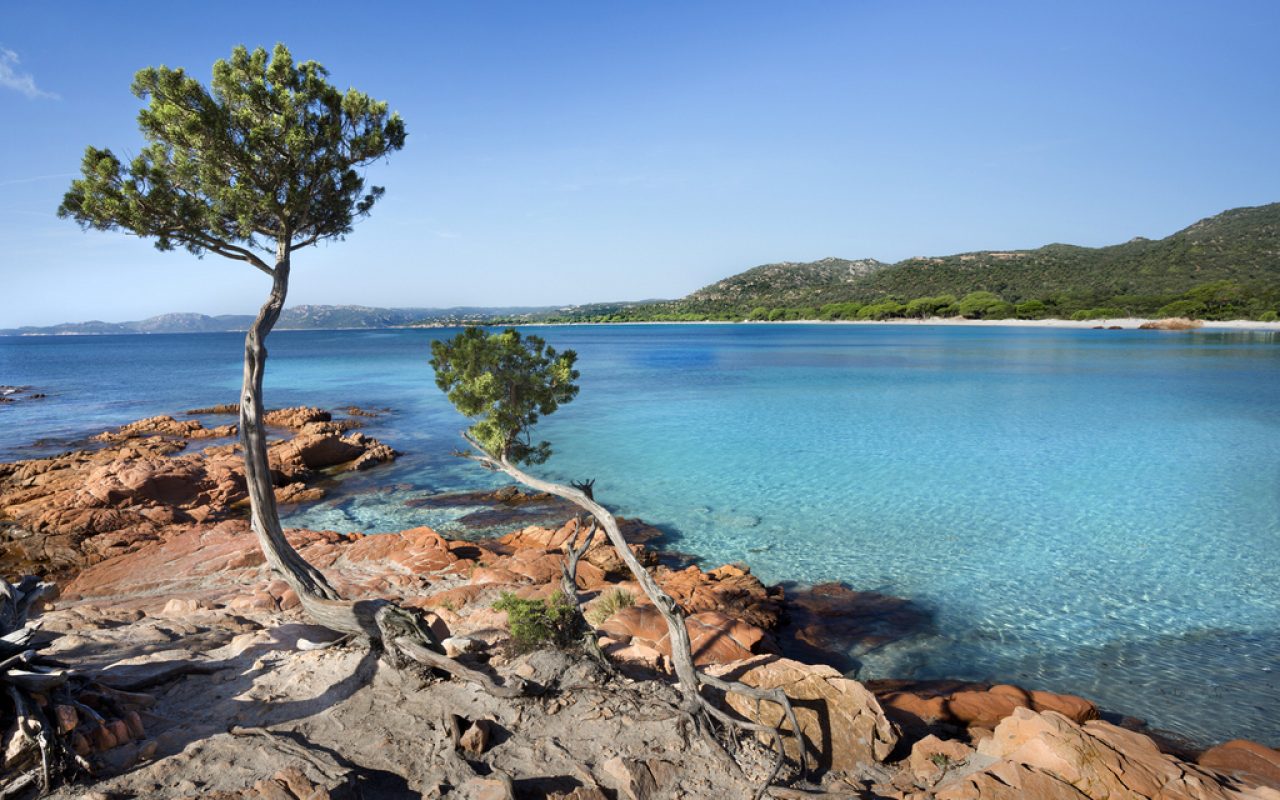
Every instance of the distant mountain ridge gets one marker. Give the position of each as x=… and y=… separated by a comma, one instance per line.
x=1225, y=264
x=1237, y=252
x=303, y=317
x=788, y=280
x=1241, y=245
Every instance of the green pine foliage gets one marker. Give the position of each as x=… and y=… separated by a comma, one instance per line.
x=265, y=161
x=536, y=624
x=505, y=382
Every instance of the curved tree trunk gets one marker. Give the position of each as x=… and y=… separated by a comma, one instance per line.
x=307, y=581
x=399, y=630
x=681, y=647
x=690, y=679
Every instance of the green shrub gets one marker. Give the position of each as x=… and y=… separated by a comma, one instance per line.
x=1269, y=316
x=1098, y=313
x=1032, y=309
x=882, y=310
x=609, y=604
x=1191, y=309
x=922, y=307
x=840, y=311
x=538, y=623
x=1000, y=310
x=977, y=305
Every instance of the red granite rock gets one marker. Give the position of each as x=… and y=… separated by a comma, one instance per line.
x=1256, y=763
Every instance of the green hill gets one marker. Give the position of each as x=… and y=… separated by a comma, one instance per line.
x=1241, y=245
x=1224, y=266
x=788, y=282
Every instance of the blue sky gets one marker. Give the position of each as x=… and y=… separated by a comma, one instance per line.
x=573, y=152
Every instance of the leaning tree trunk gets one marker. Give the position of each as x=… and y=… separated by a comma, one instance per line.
x=690, y=679
x=307, y=581
x=402, y=632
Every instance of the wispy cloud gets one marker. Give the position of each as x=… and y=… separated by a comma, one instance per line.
x=13, y=78
x=16, y=181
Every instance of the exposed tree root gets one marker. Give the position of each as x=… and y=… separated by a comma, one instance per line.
x=44, y=758
x=401, y=632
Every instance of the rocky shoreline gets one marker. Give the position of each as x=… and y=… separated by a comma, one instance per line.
x=211, y=684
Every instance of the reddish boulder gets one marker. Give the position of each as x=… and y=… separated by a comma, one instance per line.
x=931, y=757
x=312, y=451
x=293, y=493
x=1248, y=760
x=418, y=551
x=1046, y=755
x=729, y=590
x=539, y=567
x=715, y=638
x=164, y=426
x=841, y=722
x=295, y=417
x=81, y=507
x=918, y=706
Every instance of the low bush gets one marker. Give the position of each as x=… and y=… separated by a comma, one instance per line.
x=538, y=623
x=609, y=604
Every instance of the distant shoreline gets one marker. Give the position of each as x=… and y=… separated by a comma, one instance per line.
x=1124, y=323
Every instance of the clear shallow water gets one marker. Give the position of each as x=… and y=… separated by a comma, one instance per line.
x=1087, y=511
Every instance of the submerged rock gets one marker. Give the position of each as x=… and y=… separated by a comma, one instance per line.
x=833, y=624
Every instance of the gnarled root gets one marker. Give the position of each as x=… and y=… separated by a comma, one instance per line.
x=24, y=673
x=405, y=632
x=402, y=633
x=776, y=696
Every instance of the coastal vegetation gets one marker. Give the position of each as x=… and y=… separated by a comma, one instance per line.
x=1217, y=300
x=505, y=382
x=1224, y=267
x=1221, y=268
x=535, y=623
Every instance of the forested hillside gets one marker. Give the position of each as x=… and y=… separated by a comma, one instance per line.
x=1221, y=267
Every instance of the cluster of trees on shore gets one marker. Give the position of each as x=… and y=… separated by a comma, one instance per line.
x=1217, y=300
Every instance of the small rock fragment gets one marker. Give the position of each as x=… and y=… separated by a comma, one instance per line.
x=475, y=740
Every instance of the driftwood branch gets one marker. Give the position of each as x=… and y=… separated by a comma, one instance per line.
x=587, y=487
x=24, y=674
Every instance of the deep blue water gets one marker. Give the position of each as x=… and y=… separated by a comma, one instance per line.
x=1087, y=511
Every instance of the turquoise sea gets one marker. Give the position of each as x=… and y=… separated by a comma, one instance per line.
x=1087, y=511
